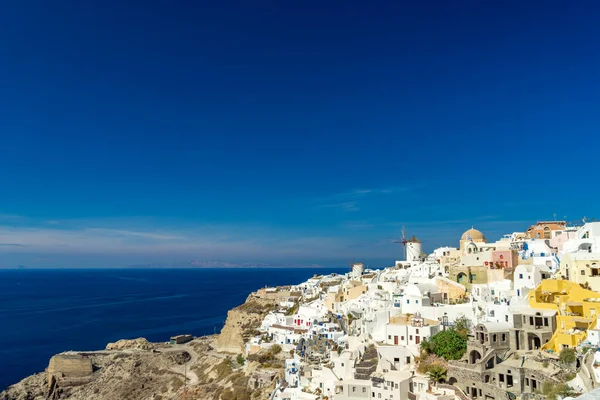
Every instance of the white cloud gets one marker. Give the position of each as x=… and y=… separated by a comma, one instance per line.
x=219, y=242
x=346, y=206
x=122, y=232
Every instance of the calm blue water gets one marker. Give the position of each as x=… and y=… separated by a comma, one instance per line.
x=44, y=312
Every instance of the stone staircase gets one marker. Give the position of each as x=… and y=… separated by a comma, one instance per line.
x=367, y=364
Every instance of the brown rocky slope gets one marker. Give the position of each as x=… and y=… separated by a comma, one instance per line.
x=205, y=368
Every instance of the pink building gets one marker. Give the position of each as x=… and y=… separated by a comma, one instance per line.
x=505, y=259
x=560, y=237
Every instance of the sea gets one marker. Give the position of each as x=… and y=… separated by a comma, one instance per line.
x=47, y=311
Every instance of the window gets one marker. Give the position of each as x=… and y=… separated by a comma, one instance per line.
x=410, y=337
x=583, y=272
x=504, y=337
x=506, y=318
x=408, y=362
x=494, y=337
x=417, y=331
x=407, y=301
x=545, y=321
x=389, y=336
x=396, y=359
x=364, y=390
x=493, y=292
x=342, y=364
x=378, y=395
x=417, y=301
x=401, y=337
x=373, y=394
x=520, y=276
x=396, y=386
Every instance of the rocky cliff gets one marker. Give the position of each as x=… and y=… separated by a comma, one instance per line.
x=244, y=321
x=205, y=368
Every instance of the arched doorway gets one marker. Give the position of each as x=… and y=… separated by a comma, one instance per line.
x=533, y=341
x=452, y=381
x=462, y=278
x=474, y=356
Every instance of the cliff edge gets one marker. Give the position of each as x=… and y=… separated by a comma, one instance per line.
x=243, y=321
x=204, y=368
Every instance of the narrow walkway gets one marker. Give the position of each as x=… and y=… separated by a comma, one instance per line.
x=185, y=369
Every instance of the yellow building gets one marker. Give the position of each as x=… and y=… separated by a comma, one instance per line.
x=468, y=276
x=583, y=268
x=451, y=291
x=349, y=291
x=577, y=311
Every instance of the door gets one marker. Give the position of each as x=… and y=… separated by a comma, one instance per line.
x=395, y=339
x=417, y=339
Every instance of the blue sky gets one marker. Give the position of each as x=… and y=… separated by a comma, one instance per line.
x=289, y=132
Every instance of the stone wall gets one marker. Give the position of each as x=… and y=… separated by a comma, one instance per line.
x=70, y=366
x=67, y=366
x=462, y=373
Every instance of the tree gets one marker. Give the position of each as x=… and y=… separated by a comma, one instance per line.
x=240, y=359
x=567, y=356
x=275, y=349
x=437, y=373
x=552, y=389
x=426, y=346
x=462, y=325
x=448, y=344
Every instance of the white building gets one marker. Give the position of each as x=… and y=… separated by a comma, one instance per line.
x=528, y=277
x=392, y=385
x=394, y=358
x=410, y=331
x=353, y=389
x=418, y=295
x=494, y=292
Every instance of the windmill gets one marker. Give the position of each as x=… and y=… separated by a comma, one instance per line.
x=403, y=241
x=356, y=269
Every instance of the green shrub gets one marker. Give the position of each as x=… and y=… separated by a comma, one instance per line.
x=427, y=362
x=568, y=356
x=462, y=325
x=240, y=359
x=552, y=389
x=437, y=373
x=448, y=344
x=275, y=349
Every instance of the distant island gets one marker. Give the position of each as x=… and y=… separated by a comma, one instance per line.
x=221, y=264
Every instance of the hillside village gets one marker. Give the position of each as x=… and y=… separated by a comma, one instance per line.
x=515, y=318
x=505, y=320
